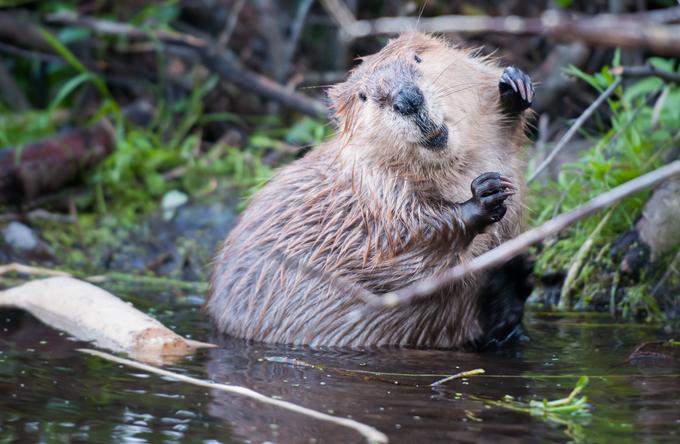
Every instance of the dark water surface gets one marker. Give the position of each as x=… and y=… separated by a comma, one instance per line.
x=51, y=393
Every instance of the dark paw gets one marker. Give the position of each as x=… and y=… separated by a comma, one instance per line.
x=489, y=192
x=517, y=91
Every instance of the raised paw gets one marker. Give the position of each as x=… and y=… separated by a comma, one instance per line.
x=516, y=90
x=489, y=192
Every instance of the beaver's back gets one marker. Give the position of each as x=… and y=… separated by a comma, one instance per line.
x=293, y=269
x=385, y=203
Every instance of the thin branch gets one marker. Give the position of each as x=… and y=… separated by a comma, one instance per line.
x=521, y=243
x=371, y=434
x=296, y=31
x=113, y=28
x=641, y=30
x=574, y=128
x=342, y=16
x=230, y=25
x=15, y=267
x=215, y=60
x=11, y=92
x=29, y=54
x=577, y=264
x=645, y=71
x=477, y=371
x=672, y=269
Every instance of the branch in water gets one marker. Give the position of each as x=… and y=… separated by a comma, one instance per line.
x=521, y=243
x=371, y=434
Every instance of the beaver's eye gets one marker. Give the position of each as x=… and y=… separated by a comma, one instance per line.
x=362, y=96
x=417, y=59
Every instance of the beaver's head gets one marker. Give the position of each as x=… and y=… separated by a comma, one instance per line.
x=419, y=98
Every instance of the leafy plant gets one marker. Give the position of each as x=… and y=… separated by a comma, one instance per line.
x=633, y=140
x=572, y=412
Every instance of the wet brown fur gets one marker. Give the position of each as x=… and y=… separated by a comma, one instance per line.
x=371, y=209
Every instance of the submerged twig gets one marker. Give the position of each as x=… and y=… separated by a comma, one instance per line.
x=477, y=371
x=521, y=243
x=571, y=405
x=371, y=434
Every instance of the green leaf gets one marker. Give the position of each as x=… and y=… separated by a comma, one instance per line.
x=72, y=60
x=68, y=88
x=616, y=61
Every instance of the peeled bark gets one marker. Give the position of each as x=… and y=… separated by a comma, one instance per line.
x=90, y=313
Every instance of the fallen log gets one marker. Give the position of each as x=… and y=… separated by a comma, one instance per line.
x=89, y=313
x=47, y=165
x=647, y=30
x=371, y=434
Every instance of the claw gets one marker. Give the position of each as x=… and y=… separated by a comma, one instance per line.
x=516, y=89
x=507, y=183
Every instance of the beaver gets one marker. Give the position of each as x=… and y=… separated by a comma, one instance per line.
x=418, y=178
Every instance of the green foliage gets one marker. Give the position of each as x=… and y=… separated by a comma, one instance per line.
x=572, y=412
x=632, y=141
x=169, y=155
x=564, y=3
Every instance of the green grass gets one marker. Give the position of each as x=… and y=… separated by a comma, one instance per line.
x=635, y=140
x=169, y=155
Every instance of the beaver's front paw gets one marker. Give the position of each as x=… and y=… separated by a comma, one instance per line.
x=516, y=89
x=487, y=206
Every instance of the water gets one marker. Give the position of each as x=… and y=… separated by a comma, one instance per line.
x=51, y=393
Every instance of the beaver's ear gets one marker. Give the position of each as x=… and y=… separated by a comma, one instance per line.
x=341, y=99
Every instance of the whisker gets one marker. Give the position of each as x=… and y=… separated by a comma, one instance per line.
x=446, y=93
x=420, y=14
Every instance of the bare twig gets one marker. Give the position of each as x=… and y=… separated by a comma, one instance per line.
x=27, y=269
x=230, y=25
x=574, y=128
x=214, y=59
x=296, y=32
x=646, y=71
x=477, y=371
x=371, y=434
x=342, y=16
x=672, y=269
x=521, y=243
x=113, y=28
x=11, y=91
x=107, y=277
x=27, y=54
x=641, y=30
x=577, y=264
x=261, y=85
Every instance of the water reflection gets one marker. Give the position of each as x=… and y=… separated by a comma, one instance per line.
x=47, y=391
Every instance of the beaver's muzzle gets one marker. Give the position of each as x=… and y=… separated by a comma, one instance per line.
x=437, y=139
x=408, y=100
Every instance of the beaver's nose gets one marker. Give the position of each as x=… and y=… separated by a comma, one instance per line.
x=408, y=100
